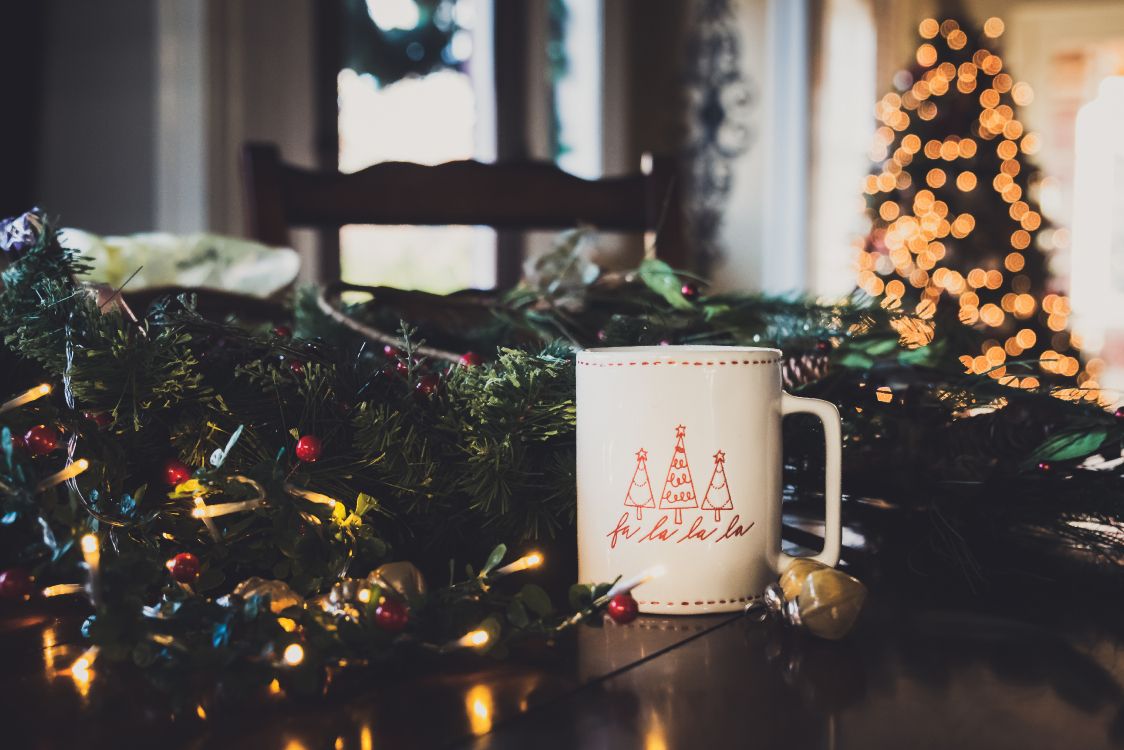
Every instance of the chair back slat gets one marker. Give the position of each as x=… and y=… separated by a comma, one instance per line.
x=519, y=195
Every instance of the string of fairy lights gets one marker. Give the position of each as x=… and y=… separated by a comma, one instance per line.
x=916, y=228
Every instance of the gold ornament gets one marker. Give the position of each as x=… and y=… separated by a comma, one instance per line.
x=402, y=577
x=814, y=597
x=830, y=602
x=281, y=597
x=792, y=579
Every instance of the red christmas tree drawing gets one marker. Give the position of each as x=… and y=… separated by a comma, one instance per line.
x=717, y=496
x=641, y=485
x=678, y=489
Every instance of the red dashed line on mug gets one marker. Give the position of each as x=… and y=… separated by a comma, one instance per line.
x=674, y=362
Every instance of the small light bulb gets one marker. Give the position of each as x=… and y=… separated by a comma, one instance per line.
x=89, y=544
x=478, y=637
x=364, y=595
x=294, y=654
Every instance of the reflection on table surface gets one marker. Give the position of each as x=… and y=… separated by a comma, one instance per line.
x=905, y=678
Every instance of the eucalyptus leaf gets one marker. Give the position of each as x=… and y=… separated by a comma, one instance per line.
x=536, y=599
x=1069, y=445
x=664, y=281
x=494, y=559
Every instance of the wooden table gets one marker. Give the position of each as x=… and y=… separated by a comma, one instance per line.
x=914, y=675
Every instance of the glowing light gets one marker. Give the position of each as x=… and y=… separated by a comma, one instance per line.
x=1022, y=93
x=81, y=671
x=966, y=181
x=884, y=394
x=26, y=397
x=479, y=704
x=957, y=39
x=888, y=210
x=90, y=544
x=929, y=28
x=1031, y=143
x=1020, y=239
x=628, y=584
x=202, y=714
x=926, y=55
x=287, y=624
x=991, y=315
x=989, y=98
x=993, y=27
x=207, y=522
x=895, y=288
x=72, y=470
x=274, y=687
x=366, y=740
x=533, y=560
x=63, y=589
x=364, y=595
x=1006, y=149
x=478, y=638
x=222, y=509
x=293, y=654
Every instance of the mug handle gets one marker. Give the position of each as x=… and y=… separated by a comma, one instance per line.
x=826, y=412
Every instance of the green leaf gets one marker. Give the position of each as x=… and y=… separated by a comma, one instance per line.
x=517, y=614
x=364, y=503
x=856, y=360
x=1068, y=445
x=875, y=346
x=536, y=599
x=662, y=279
x=580, y=596
x=494, y=559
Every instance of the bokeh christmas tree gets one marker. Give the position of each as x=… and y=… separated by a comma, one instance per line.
x=954, y=213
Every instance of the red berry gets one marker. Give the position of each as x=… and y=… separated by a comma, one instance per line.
x=15, y=584
x=296, y=366
x=392, y=616
x=283, y=332
x=176, y=472
x=185, y=567
x=427, y=384
x=392, y=352
x=308, y=448
x=623, y=609
x=471, y=359
x=41, y=440
x=690, y=290
x=101, y=418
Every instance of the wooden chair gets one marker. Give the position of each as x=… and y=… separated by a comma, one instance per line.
x=507, y=196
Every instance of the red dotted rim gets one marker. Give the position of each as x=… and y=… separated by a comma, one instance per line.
x=671, y=362
x=697, y=603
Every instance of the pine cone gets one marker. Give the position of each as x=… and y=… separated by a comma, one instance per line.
x=802, y=368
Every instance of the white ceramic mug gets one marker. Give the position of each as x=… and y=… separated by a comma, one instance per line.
x=679, y=468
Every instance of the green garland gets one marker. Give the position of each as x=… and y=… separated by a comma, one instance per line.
x=428, y=462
